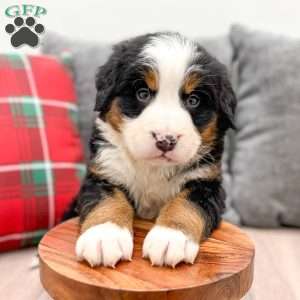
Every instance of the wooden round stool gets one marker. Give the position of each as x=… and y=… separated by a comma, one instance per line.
x=223, y=269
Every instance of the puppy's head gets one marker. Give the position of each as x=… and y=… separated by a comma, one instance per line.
x=166, y=97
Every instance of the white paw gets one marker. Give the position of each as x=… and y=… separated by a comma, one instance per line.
x=105, y=244
x=167, y=246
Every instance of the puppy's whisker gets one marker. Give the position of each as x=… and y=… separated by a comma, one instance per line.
x=208, y=84
x=209, y=75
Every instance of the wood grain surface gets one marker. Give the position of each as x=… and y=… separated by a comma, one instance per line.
x=223, y=269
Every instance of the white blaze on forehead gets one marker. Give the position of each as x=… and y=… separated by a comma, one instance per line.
x=172, y=54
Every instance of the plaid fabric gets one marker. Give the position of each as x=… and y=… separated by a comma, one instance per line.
x=41, y=160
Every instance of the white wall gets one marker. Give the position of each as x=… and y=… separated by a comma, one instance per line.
x=112, y=20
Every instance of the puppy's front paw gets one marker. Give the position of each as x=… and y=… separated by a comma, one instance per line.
x=105, y=244
x=167, y=246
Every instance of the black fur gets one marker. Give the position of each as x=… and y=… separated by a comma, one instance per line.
x=115, y=78
x=92, y=191
x=209, y=196
x=96, y=141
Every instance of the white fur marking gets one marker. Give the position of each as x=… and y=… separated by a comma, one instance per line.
x=172, y=55
x=167, y=246
x=105, y=244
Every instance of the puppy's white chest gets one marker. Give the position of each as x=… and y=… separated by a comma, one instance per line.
x=149, y=187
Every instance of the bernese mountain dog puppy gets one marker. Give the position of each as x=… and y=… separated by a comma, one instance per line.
x=164, y=106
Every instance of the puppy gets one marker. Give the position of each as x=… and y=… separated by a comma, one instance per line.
x=164, y=106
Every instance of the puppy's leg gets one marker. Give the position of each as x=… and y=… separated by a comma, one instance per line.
x=106, y=227
x=182, y=223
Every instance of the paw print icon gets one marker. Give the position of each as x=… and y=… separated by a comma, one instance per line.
x=24, y=32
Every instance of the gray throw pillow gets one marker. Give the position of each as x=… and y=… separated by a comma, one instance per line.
x=88, y=56
x=266, y=162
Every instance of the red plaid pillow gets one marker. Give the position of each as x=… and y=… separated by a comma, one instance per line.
x=41, y=160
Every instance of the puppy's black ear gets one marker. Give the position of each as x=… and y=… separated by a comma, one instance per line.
x=107, y=78
x=105, y=82
x=110, y=75
x=227, y=104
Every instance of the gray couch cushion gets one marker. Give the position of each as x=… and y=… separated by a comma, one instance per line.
x=266, y=161
x=88, y=56
x=85, y=58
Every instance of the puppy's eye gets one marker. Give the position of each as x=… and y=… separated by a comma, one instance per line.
x=143, y=94
x=192, y=101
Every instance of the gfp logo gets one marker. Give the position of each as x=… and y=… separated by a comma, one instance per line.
x=25, y=29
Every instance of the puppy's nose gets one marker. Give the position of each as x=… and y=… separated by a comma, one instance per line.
x=165, y=143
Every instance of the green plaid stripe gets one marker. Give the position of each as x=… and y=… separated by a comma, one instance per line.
x=33, y=239
x=14, y=59
x=80, y=173
x=25, y=237
x=24, y=112
x=44, y=102
x=74, y=117
x=34, y=182
x=45, y=166
x=67, y=60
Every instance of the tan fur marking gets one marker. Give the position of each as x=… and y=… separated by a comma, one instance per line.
x=151, y=79
x=209, y=133
x=114, y=117
x=182, y=215
x=210, y=172
x=115, y=209
x=191, y=82
x=215, y=171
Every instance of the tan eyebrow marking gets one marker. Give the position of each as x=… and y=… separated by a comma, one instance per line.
x=191, y=81
x=151, y=78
